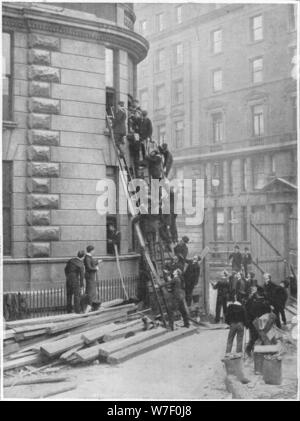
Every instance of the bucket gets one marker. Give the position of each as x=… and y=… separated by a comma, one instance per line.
x=234, y=365
x=272, y=369
x=258, y=362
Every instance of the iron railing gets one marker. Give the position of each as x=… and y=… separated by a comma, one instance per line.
x=51, y=301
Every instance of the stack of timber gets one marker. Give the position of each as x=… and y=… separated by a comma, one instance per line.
x=108, y=335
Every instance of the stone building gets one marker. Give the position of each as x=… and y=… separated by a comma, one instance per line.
x=65, y=65
x=218, y=84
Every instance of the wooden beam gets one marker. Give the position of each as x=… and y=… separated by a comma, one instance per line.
x=122, y=333
x=92, y=353
x=146, y=346
x=21, y=362
x=54, y=349
x=34, y=380
x=109, y=348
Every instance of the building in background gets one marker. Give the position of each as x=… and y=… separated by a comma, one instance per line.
x=217, y=84
x=64, y=66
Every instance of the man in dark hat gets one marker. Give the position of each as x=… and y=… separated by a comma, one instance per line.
x=191, y=278
x=222, y=286
x=91, y=268
x=181, y=251
x=74, y=272
x=247, y=260
x=168, y=158
x=119, y=127
x=236, y=259
x=113, y=238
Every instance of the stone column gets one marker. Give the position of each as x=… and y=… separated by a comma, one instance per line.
x=40, y=169
x=249, y=176
x=226, y=177
x=208, y=177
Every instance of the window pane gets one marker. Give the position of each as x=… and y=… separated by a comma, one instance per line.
x=217, y=41
x=6, y=48
x=178, y=92
x=109, y=67
x=217, y=127
x=257, y=67
x=161, y=130
x=179, y=54
x=257, y=30
x=179, y=14
x=179, y=134
x=217, y=80
x=258, y=120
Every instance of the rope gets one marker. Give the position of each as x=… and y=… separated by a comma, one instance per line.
x=120, y=272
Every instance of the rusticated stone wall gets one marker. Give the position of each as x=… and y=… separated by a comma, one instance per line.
x=40, y=168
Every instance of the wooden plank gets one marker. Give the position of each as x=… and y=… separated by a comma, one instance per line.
x=29, y=335
x=66, y=355
x=61, y=327
x=21, y=355
x=122, y=333
x=147, y=346
x=101, y=322
x=57, y=391
x=112, y=303
x=95, y=334
x=32, y=328
x=9, y=334
x=35, y=380
x=108, y=348
x=54, y=349
x=10, y=348
x=21, y=362
x=65, y=317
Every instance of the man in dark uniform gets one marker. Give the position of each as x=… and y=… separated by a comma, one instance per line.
x=247, y=260
x=74, y=272
x=113, y=238
x=91, y=268
x=155, y=165
x=168, y=158
x=191, y=277
x=222, y=286
x=119, y=127
x=178, y=294
x=181, y=251
x=256, y=306
x=236, y=259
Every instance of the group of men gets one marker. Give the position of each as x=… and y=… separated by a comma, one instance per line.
x=181, y=276
x=244, y=301
x=81, y=281
x=144, y=151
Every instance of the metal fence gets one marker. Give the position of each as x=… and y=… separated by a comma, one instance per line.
x=51, y=301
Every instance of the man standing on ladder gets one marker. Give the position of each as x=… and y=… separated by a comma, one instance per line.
x=119, y=127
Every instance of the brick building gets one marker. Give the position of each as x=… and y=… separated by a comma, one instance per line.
x=64, y=66
x=218, y=84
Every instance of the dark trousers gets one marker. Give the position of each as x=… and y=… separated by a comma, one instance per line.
x=279, y=311
x=184, y=311
x=236, y=329
x=253, y=336
x=221, y=303
x=189, y=295
x=73, y=289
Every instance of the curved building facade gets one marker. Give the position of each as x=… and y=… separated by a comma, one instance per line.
x=65, y=65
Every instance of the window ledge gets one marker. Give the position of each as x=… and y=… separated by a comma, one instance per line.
x=7, y=124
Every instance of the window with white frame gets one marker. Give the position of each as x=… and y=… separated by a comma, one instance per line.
x=257, y=70
x=257, y=28
x=143, y=27
x=160, y=96
x=217, y=80
x=179, y=14
x=144, y=100
x=179, y=136
x=216, y=41
x=258, y=128
x=161, y=133
x=219, y=224
x=258, y=171
x=178, y=54
x=159, y=21
x=177, y=92
x=6, y=77
x=217, y=127
x=160, y=60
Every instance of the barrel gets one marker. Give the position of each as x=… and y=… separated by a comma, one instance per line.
x=233, y=364
x=258, y=362
x=272, y=369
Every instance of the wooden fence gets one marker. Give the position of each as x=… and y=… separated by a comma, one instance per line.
x=51, y=301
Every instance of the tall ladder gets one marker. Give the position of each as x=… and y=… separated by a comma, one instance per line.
x=155, y=278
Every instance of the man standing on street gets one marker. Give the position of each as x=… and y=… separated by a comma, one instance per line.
x=191, y=277
x=222, y=286
x=236, y=318
x=247, y=260
x=91, y=268
x=74, y=272
x=236, y=259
